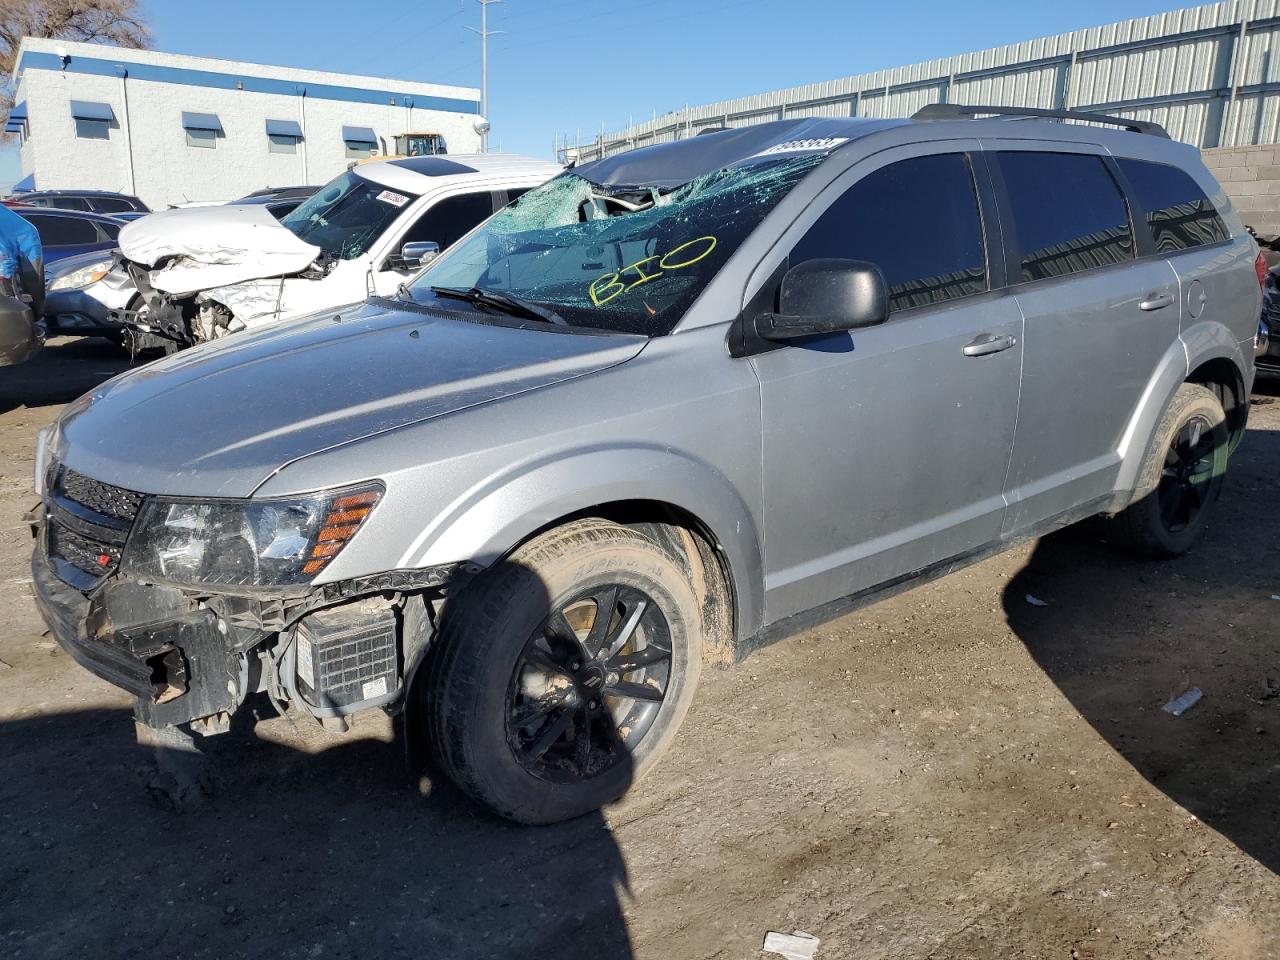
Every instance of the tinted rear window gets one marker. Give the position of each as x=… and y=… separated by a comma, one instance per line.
x=63, y=231
x=111, y=204
x=1068, y=213
x=918, y=221
x=1178, y=212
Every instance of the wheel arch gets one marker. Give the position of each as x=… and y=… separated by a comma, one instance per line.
x=1205, y=354
x=682, y=502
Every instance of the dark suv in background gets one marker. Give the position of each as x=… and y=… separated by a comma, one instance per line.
x=94, y=201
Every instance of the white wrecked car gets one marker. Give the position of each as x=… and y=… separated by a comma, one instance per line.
x=208, y=272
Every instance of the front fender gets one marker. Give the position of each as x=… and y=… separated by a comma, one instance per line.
x=491, y=518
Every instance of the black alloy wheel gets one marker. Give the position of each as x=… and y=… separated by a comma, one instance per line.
x=1183, y=490
x=589, y=684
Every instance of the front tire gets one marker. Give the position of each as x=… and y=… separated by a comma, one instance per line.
x=563, y=673
x=1180, y=478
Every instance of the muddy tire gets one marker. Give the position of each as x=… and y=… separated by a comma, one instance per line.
x=1180, y=478
x=562, y=673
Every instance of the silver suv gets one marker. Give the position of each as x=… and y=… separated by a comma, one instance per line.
x=669, y=406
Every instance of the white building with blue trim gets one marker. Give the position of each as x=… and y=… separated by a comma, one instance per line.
x=170, y=128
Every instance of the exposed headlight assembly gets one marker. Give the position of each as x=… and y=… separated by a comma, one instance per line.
x=82, y=277
x=223, y=544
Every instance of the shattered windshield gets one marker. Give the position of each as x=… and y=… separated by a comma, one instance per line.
x=347, y=215
x=627, y=259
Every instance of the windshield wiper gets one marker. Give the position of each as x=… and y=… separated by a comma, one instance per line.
x=514, y=306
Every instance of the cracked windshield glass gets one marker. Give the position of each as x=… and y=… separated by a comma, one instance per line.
x=629, y=259
x=347, y=215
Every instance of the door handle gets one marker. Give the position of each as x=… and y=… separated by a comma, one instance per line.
x=988, y=343
x=1156, y=301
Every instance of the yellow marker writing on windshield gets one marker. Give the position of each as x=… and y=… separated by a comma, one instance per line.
x=605, y=288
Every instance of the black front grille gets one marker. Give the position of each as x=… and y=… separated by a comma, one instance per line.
x=99, y=497
x=90, y=556
x=87, y=523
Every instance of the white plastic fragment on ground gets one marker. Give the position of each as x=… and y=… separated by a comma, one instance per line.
x=1180, y=705
x=1036, y=601
x=793, y=946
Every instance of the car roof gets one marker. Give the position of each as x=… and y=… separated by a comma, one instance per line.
x=675, y=163
x=420, y=174
x=23, y=211
x=78, y=193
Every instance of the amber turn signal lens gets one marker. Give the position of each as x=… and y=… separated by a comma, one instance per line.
x=345, y=515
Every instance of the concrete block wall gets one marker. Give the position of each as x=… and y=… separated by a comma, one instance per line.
x=1251, y=178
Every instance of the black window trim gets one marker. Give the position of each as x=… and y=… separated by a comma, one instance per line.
x=1012, y=246
x=1147, y=249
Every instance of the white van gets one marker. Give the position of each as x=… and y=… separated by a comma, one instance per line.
x=207, y=272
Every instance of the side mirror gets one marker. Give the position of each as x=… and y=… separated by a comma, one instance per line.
x=418, y=253
x=826, y=296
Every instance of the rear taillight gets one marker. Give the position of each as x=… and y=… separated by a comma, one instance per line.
x=1260, y=268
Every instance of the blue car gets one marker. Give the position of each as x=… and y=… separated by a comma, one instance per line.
x=68, y=233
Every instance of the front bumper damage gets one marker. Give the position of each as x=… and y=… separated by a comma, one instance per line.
x=192, y=658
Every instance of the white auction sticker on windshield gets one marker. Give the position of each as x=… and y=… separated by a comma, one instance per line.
x=815, y=145
x=393, y=198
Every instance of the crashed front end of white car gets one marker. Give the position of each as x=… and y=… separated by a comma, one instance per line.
x=206, y=272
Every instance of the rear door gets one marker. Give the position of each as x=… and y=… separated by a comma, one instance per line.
x=885, y=449
x=1098, y=319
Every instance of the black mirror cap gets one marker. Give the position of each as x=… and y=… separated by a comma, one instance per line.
x=827, y=296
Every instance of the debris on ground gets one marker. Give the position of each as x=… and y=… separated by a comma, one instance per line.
x=793, y=946
x=1036, y=601
x=1180, y=705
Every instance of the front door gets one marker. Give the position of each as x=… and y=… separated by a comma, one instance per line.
x=885, y=450
x=445, y=222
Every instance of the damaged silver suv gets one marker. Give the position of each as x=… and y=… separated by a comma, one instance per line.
x=664, y=408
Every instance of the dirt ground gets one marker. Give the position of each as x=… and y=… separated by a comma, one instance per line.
x=953, y=773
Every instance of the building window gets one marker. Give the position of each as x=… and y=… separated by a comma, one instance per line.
x=93, y=120
x=92, y=129
x=206, y=139
x=361, y=142
x=203, y=129
x=283, y=136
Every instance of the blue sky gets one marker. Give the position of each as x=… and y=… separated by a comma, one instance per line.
x=561, y=65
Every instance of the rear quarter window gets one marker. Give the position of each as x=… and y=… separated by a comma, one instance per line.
x=1068, y=213
x=1178, y=213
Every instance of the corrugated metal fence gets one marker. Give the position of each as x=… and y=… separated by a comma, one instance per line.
x=1209, y=74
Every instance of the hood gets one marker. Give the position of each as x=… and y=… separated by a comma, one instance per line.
x=218, y=420
x=203, y=247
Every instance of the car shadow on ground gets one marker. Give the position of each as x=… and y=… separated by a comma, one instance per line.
x=317, y=847
x=328, y=854
x=62, y=371
x=1120, y=636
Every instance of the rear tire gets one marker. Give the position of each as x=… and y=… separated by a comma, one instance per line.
x=1180, y=477
x=541, y=711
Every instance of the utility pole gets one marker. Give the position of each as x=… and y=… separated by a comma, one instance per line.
x=484, y=33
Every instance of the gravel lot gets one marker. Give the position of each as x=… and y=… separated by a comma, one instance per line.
x=953, y=773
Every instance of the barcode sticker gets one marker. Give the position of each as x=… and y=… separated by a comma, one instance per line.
x=306, y=670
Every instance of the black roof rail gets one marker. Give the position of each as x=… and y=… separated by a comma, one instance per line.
x=964, y=111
